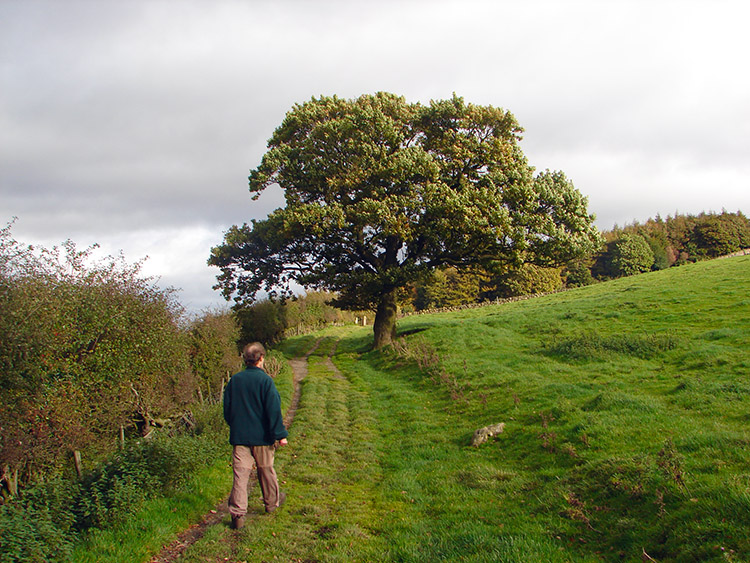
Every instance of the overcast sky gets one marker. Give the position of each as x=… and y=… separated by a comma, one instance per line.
x=134, y=124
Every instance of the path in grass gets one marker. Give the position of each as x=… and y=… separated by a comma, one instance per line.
x=379, y=469
x=332, y=473
x=174, y=550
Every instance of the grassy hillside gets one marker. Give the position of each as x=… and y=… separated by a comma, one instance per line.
x=627, y=433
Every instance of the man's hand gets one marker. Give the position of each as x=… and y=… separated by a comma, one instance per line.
x=283, y=442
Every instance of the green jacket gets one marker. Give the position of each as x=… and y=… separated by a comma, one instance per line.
x=252, y=408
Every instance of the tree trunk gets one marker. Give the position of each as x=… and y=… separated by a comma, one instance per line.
x=384, y=326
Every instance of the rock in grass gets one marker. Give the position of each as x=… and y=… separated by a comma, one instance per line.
x=481, y=434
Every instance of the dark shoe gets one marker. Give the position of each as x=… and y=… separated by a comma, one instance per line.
x=238, y=522
x=282, y=498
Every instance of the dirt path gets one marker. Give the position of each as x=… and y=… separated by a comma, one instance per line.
x=172, y=552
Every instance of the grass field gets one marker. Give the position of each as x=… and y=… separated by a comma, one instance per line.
x=627, y=433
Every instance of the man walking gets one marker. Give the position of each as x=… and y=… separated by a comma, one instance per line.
x=252, y=408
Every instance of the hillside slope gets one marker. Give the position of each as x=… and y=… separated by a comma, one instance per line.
x=626, y=433
x=626, y=407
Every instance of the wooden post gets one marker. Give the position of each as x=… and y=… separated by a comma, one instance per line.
x=11, y=480
x=78, y=464
x=122, y=437
x=13, y=484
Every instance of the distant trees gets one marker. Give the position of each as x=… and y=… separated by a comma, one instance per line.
x=528, y=280
x=654, y=245
x=718, y=235
x=88, y=347
x=271, y=320
x=630, y=255
x=672, y=241
x=449, y=287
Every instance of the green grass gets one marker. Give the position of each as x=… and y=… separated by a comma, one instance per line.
x=626, y=407
x=159, y=520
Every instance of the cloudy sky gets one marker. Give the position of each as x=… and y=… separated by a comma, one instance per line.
x=134, y=124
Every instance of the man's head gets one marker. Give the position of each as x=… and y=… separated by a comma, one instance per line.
x=253, y=353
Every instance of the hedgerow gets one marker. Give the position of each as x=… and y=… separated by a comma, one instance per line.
x=92, y=349
x=44, y=522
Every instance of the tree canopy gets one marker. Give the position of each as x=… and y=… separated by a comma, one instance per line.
x=380, y=192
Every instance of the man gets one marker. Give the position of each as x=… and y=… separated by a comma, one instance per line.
x=252, y=408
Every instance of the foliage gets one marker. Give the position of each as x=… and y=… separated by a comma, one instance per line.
x=38, y=528
x=115, y=489
x=578, y=274
x=528, y=279
x=270, y=320
x=379, y=193
x=262, y=321
x=631, y=255
x=719, y=235
x=312, y=311
x=89, y=347
x=673, y=241
x=213, y=351
x=44, y=523
x=449, y=287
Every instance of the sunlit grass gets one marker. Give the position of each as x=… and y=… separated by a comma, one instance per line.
x=159, y=522
x=626, y=407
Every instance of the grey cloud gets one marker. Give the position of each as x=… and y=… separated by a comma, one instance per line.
x=119, y=117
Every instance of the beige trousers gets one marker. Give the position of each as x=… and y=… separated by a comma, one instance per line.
x=242, y=467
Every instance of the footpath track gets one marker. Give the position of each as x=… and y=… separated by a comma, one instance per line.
x=171, y=553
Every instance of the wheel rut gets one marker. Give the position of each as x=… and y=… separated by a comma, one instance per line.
x=171, y=553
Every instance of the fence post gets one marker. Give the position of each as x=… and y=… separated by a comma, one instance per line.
x=11, y=480
x=78, y=464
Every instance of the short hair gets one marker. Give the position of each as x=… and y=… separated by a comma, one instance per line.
x=252, y=353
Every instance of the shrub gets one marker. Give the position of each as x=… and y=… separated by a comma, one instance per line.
x=528, y=280
x=449, y=287
x=43, y=523
x=578, y=274
x=29, y=536
x=631, y=255
x=88, y=345
x=213, y=351
x=38, y=527
x=268, y=321
x=118, y=487
x=147, y=468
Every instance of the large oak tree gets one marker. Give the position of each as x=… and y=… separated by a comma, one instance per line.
x=380, y=192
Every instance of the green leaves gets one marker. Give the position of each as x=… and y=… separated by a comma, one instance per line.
x=86, y=345
x=380, y=192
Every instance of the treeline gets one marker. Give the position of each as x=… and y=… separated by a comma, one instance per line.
x=661, y=243
x=91, y=352
x=271, y=320
x=654, y=245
